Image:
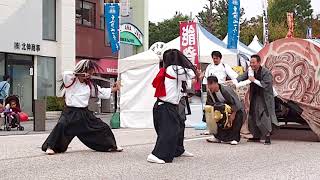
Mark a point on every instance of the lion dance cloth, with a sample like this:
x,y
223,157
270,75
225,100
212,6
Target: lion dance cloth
x,y
295,66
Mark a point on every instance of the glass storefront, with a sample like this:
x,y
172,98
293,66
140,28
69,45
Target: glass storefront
x,y
46,77
2,65
20,69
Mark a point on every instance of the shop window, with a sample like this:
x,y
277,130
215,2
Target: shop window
x,y
46,77
2,65
49,19
85,13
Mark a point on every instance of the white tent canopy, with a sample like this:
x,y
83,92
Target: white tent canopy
x,y
314,41
243,49
137,94
255,44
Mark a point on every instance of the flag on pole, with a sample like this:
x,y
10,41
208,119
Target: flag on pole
x,y
189,43
265,22
112,13
233,24
290,20
309,33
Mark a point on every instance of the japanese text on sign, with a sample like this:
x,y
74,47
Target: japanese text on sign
x,y
188,41
112,25
26,46
233,24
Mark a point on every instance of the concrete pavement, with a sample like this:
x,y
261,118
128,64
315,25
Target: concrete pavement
x,y
51,121
293,155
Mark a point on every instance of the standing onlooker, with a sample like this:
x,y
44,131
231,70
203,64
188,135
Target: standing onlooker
x,y
218,69
4,88
262,110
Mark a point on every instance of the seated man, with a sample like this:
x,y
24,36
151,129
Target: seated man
x,y
218,93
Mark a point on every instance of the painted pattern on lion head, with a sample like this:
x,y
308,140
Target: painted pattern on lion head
x,y
295,66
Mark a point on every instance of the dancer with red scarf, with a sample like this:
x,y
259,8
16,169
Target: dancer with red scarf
x,y
168,124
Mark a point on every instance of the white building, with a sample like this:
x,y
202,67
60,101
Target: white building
x,y
37,42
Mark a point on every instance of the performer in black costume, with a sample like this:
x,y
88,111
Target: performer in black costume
x,y
217,94
167,122
76,119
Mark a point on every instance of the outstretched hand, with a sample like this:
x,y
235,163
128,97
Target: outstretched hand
x,y
116,86
252,79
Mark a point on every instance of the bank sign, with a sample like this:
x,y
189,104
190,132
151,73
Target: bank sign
x,y
130,34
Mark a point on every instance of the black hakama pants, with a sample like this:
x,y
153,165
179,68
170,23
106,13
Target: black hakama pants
x,y
80,122
233,133
170,131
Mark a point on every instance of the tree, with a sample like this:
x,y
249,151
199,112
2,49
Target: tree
x,y
214,17
277,15
315,24
302,13
166,30
250,28
207,17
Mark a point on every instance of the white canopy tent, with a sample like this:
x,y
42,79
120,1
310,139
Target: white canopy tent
x,y
314,41
137,73
255,44
137,94
243,49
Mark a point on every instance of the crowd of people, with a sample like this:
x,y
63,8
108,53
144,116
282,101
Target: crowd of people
x,y
176,74
168,122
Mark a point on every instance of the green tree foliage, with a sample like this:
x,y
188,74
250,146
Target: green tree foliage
x,y
251,28
278,14
214,17
166,30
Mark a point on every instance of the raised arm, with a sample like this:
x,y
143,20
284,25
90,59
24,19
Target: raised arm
x,y
105,93
185,74
68,78
230,72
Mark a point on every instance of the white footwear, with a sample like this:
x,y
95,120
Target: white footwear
x,y
50,151
187,154
153,159
213,140
119,149
234,142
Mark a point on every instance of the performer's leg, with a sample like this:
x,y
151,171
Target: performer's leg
x,y
167,127
180,147
96,134
252,124
182,118
237,126
58,140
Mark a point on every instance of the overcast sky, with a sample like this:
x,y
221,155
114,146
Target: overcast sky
x,y
165,9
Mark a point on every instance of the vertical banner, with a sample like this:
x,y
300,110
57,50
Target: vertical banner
x,y
233,23
309,33
189,43
290,21
111,12
265,22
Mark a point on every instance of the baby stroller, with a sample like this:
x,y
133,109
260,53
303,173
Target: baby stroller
x,y
12,119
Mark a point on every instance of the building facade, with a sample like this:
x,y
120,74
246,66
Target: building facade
x,y
92,40
134,36
37,44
